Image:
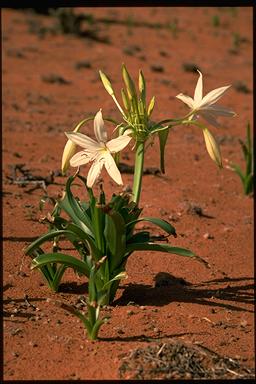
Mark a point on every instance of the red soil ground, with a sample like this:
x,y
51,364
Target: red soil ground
x,y
213,306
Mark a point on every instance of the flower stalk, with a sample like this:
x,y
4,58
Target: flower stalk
x,y
138,171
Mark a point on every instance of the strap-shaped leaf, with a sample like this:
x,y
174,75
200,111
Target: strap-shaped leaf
x,y
114,234
71,206
46,237
248,184
72,233
140,237
81,235
58,276
67,260
164,248
163,136
239,172
163,224
46,270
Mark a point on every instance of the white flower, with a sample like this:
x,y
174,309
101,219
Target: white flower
x,y
98,152
204,105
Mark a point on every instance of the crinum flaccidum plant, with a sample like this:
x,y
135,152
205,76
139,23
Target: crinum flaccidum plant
x,y
103,232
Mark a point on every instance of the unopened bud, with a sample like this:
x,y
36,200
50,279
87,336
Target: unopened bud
x,y
141,107
125,99
69,151
142,86
106,82
212,147
129,83
151,106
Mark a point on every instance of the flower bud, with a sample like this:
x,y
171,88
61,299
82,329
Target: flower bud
x,y
68,152
129,83
106,83
142,86
126,102
151,106
212,147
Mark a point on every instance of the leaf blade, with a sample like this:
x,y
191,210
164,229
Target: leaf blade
x,y
61,258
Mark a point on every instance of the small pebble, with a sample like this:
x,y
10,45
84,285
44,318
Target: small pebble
x,y
227,229
33,344
208,236
22,274
243,323
130,313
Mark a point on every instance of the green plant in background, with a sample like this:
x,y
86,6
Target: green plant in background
x,y
104,233
215,21
246,177
173,27
237,40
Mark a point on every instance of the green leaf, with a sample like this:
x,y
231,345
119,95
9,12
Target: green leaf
x,y
115,235
163,224
72,233
248,185
163,136
82,236
164,248
46,270
238,171
140,237
67,260
95,330
46,237
244,148
58,276
71,206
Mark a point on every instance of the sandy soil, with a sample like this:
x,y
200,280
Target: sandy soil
x,y
50,82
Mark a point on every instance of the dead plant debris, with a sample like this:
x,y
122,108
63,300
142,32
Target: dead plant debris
x,y
179,360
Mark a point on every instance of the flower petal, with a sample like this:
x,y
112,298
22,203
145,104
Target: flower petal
x,y
213,96
112,169
116,145
186,99
128,131
220,111
94,172
198,95
210,118
99,129
83,140
80,158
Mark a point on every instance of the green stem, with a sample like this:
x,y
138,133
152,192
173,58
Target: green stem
x,y
137,180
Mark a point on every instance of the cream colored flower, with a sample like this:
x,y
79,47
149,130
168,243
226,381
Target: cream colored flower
x,y
204,105
98,152
212,147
